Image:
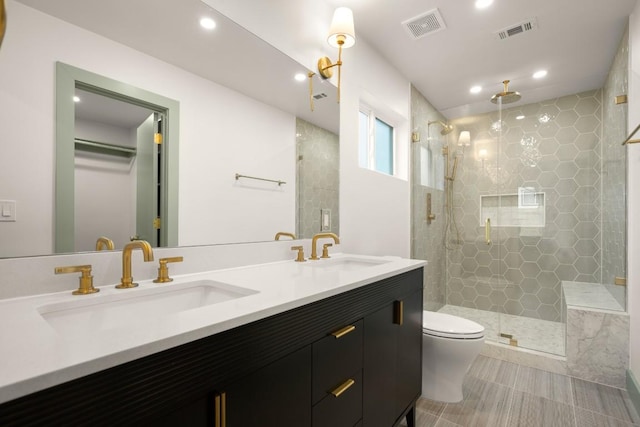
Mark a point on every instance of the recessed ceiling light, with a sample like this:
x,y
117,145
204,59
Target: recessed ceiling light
x,y
539,74
207,23
481,4
300,77
76,99
476,89
520,117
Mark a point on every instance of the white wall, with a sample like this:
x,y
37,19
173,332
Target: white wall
x,y
221,133
374,208
633,195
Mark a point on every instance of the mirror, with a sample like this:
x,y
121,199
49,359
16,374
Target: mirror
x,y
238,108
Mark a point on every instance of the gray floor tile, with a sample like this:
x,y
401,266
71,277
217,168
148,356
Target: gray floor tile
x,y
485,404
528,410
603,399
586,418
444,423
494,370
430,406
544,384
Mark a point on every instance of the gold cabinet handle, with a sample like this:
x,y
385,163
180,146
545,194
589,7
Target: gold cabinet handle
x,y
163,270
220,408
343,387
344,331
86,279
398,312
487,231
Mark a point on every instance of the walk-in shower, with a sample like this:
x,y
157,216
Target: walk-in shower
x,y
532,202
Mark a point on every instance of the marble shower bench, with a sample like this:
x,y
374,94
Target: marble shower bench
x,y
597,336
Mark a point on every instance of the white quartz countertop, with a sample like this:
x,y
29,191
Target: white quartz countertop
x,y
50,339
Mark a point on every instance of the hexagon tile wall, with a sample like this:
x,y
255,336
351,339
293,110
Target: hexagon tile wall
x,y
551,147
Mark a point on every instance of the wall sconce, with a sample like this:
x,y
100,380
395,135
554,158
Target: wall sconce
x,y
341,35
464,140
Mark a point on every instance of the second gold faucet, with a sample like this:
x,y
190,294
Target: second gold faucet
x,y
127,281
314,243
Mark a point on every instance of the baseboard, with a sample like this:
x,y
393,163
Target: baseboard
x,y
634,390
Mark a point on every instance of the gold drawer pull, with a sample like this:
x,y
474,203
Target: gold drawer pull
x,y
344,331
343,387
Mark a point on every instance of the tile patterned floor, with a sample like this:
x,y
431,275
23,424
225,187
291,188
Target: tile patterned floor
x,y
504,394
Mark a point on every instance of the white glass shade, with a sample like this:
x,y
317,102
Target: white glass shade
x,y
464,140
342,25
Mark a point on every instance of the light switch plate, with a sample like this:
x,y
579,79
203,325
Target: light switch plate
x,y
325,219
7,210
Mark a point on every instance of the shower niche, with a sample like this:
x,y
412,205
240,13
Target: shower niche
x,y
526,208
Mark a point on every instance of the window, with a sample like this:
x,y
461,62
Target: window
x,y
377,144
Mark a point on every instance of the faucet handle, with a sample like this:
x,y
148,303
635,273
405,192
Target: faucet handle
x,y
86,279
163,271
300,249
325,250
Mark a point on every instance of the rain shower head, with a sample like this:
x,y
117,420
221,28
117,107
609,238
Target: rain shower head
x,y
505,96
446,129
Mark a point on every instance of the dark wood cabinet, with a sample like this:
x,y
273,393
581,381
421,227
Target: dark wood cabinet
x,y
279,394
392,361
284,370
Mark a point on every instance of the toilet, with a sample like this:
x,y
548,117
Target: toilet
x,y
450,344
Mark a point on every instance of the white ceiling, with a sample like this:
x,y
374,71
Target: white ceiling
x,y
575,41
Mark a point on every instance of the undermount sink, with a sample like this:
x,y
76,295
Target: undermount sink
x,y
344,264
103,312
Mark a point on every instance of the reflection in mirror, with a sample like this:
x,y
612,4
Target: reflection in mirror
x,y
116,162
108,134
234,119
318,158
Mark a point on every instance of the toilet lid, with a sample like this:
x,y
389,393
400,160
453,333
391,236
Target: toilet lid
x,y
448,326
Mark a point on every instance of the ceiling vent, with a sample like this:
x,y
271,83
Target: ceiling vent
x,y
519,28
320,95
425,24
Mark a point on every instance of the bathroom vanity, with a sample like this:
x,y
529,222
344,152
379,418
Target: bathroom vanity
x,y
346,353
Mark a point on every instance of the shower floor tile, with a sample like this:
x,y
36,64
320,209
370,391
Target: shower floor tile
x,y
533,334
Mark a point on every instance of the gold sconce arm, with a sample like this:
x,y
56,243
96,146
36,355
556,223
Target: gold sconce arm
x,y
325,66
86,279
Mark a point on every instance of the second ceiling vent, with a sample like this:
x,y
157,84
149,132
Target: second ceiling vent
x,y
515,29
422,25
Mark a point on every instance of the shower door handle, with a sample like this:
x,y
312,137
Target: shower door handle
x,y
487,231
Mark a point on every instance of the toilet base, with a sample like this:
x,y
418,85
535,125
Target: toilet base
x,y
445,362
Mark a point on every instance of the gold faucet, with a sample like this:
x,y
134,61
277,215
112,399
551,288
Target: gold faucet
x,y
314,249
104,243
285,234
86,280
163,270
127,280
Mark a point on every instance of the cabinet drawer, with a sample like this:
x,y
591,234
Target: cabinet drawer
x,y
335,357
344,410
